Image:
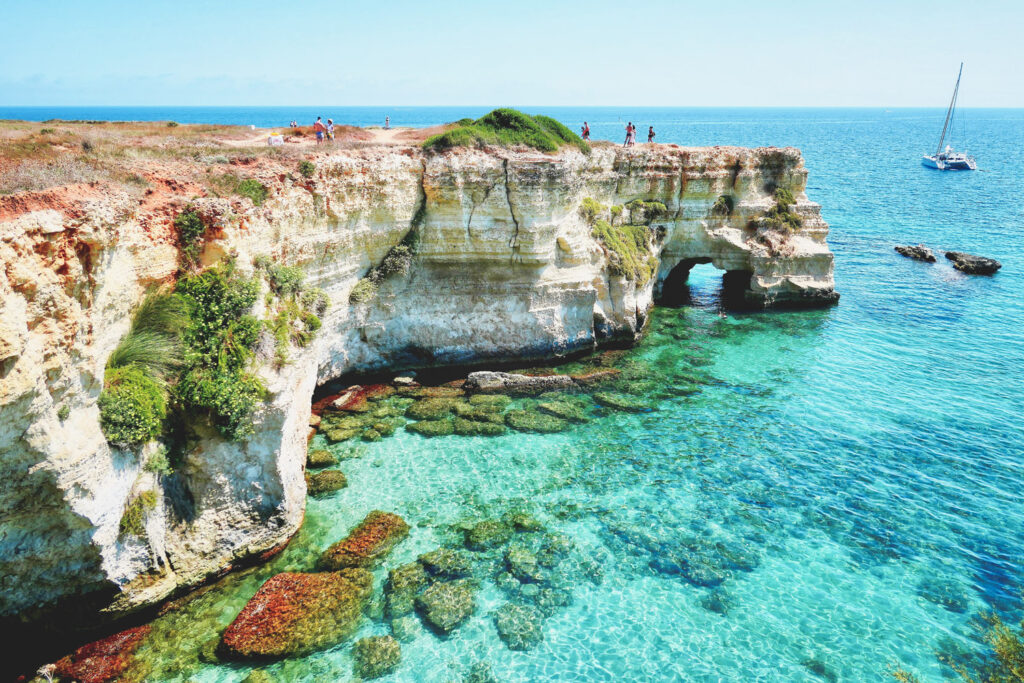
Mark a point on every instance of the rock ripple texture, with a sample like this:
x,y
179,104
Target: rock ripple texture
x,y
505,267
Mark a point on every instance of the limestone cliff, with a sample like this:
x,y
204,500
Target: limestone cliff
x,y
505,266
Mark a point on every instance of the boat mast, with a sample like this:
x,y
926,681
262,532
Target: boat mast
x,y
949,112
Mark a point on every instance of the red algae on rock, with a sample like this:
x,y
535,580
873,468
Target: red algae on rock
x,y
102,660
294,614
369,542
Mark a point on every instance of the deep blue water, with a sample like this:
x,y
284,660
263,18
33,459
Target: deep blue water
x,y
849,479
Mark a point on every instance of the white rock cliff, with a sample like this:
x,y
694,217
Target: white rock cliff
x,y
505,267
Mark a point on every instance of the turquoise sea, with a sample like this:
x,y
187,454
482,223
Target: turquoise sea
x,y
841,494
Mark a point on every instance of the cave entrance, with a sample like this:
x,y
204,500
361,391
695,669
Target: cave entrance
x,y
695,282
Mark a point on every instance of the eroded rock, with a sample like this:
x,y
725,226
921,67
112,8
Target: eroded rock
x,y
918,253
103,660
520,626
973,265
487,382
448,604
376,656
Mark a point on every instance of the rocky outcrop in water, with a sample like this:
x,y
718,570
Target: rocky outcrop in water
x,y
973,265
918,253
425,258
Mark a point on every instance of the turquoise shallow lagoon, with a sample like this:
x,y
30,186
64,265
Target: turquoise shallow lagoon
x,y
842,493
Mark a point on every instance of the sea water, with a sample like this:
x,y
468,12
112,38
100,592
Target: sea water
x,y
850,478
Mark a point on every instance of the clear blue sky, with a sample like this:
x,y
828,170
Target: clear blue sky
x,y
438,52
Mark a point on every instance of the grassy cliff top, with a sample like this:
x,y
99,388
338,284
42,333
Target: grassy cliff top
x,y
508,127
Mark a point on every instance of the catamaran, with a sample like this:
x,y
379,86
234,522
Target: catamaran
x,y
949,159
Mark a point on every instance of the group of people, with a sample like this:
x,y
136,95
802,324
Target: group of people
x,y
630,134
323,130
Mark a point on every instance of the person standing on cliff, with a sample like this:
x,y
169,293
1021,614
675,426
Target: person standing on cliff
x,y
650,135
586,131
629,134
330,130
387,123
319,129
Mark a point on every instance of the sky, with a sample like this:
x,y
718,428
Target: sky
x,y
888,53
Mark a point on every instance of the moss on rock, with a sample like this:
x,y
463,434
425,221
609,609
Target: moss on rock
x,y
368,543
464,427
375,656
320,458
432,427
432,408
622,402
534,421
488,534
326,481
448,604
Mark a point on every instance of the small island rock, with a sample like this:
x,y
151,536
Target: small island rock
x,y
973,265
918,253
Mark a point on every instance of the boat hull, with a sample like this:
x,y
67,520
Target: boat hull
x,y
949,164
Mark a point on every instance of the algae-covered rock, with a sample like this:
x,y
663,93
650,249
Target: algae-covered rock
x,y
368,543
432,427
622,402
208,651
488,534
321,458
573,412
432,408
519,626
480,673
446,563
371,435
339,435
375,656
550,600
326,481
523,521
479,413
464,427
294,614
492,402
404,584
102,660
522,564
259,676
534,421
446,605
406,628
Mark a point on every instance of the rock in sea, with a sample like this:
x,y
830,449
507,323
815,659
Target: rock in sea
x,y
293,614
508,383
326,481
446,605
973,265
918,253
519,626
368,543
103,660
376,656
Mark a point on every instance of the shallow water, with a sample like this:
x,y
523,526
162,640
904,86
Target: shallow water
x,y
841,494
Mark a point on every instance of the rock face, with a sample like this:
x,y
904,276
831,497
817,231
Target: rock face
x,y
918,253
294,614
505,267
508,383
973,265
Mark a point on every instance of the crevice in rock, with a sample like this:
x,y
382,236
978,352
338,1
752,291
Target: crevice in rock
x,y
514,241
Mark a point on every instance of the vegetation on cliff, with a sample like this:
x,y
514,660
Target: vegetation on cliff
x,y
508,127
396,262
628,246
293,311
780,217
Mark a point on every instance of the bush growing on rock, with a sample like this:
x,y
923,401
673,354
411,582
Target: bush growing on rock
x,y
132,406
253,189
363,291
628,248
190,227
133,521
508,127
780,217
723,206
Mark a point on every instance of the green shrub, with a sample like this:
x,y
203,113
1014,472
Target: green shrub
x,y
643,212
191,228
63,412
723,206
591,210
307,168
285,280
616,212
780,218
227,396
784,197
508,127
364,291
157,463
629,250
172,124
132,406
133,521
315,300
253,189
47,131
397,261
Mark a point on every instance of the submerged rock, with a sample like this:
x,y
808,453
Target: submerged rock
x,y
432,427
404,584
519,626
375,656
973,265
320,458
522,564
523,521
918,253
493,402
534,421
368,543
446,563
102,660
406,628
488,534
293,614
446,605
432,408
507,383
571,411
465,427
623,402
327,481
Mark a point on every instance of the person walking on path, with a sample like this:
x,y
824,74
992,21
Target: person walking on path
x,y
330,130
650,135
629,134
319,128
586,131
387,123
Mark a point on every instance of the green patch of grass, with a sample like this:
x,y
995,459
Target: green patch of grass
x,y
591,210
629,250
132,405
253,189
780,217
508,127
723,206
133,521
643,212
191,228
230,184
307,168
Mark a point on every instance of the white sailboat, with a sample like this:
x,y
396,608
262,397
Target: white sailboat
x,y
949,159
